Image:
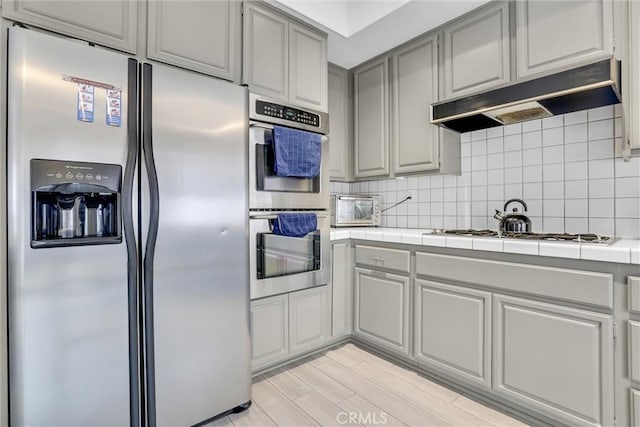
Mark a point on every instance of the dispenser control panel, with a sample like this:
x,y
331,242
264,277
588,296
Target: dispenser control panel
x,y
55,172
287,113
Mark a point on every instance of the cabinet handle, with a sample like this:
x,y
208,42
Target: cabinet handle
x,y
376,259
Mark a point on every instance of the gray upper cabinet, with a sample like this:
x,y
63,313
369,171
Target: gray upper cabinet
x,y
477,52
453,331
266,51
371,119
553,34
415,88
283,59
111,23
381,313
555,360
307,67
197,35
340,130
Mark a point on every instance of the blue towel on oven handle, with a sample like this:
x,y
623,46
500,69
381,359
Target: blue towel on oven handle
x,y
295,225
296,152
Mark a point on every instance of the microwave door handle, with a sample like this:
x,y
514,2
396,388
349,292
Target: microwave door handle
x,y
276,217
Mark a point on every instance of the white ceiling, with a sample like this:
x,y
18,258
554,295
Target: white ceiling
x,y
361,29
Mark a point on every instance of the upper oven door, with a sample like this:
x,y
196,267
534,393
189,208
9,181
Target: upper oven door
x,y
280,264
270,191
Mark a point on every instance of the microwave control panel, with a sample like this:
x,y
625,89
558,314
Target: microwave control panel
x,y
287,113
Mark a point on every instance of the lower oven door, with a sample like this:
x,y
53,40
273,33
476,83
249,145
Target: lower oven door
x,y
280,264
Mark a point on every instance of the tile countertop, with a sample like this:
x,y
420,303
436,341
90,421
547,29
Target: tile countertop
x,y
623,251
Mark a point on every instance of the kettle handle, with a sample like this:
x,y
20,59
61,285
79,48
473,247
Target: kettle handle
x,y
524,205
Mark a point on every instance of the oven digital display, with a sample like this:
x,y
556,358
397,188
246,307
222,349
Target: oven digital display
x,y
287,113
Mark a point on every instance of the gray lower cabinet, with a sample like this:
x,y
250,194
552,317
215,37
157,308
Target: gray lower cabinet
x,y
282,58
371,119
554,34
634,351
635,407
415,87
197,35
453,331
269,330
553,359
265,51
339,127
381,309
634,294
111,23
309,318
341,290
477,52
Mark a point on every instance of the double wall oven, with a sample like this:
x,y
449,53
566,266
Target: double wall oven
x,y
278,263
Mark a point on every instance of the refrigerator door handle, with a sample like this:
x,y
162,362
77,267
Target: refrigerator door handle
x,y
130,239
154,209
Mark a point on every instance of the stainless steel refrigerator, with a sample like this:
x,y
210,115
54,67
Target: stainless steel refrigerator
x,y
128,239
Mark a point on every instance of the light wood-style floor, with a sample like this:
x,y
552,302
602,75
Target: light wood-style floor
x,y
350,386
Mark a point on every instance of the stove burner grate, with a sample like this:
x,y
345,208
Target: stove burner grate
x,y
566,237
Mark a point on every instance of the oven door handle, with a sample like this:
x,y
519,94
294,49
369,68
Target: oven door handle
x,y
259,216
270,127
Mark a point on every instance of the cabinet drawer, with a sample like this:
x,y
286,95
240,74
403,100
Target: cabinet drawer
x,y
634,351
391,259
571,285
634,293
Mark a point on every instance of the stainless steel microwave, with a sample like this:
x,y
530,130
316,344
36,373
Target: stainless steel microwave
x,y
352,210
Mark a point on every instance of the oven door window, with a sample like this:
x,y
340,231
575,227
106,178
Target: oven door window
x,y
282,255
354,210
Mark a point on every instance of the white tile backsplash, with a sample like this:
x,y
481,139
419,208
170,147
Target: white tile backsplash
x,y
562,166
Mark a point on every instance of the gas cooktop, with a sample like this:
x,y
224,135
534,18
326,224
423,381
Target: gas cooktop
x,y
558,237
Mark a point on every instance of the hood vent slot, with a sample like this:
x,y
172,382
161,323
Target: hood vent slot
x,y
588,86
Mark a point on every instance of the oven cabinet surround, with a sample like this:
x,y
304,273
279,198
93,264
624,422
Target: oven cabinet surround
x,y
476,52
453,330
341,289
340,102
283,58
109,23
391,109
197,35
289,324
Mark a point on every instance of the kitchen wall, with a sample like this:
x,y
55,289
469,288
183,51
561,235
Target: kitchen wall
x,y
564,167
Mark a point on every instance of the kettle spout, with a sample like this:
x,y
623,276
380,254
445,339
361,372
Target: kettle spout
x,y
498,215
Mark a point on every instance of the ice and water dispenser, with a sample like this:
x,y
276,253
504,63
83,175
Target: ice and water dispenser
x,y
75,203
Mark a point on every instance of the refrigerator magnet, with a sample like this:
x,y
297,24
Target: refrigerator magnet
x,y
85,103
114,108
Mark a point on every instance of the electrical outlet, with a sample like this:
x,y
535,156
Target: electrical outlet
x,y
412,194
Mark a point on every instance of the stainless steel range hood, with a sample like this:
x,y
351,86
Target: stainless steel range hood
x,y
587,86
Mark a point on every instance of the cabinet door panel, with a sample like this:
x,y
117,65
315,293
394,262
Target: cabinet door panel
x,y
634,351
342,290
339,137
197,35
560,33
476,52
308,318
635,407
415,88
269,330
110,23
554,359
307,68
453,330
382,309
266,52
371,120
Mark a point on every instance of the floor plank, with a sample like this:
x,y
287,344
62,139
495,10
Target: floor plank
x,y
278,407
254,416
392,404
376,416
321,383
486,413
419,398
289,384
409,376
326,413
343,357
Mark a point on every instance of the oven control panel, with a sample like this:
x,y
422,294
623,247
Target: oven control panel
x,y
287,113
